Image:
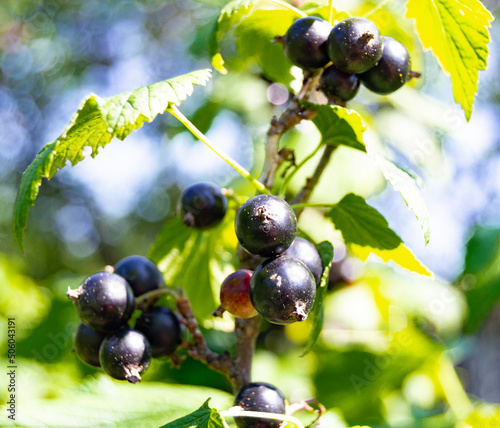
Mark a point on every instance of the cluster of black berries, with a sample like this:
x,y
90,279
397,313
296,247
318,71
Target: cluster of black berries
x,y
283,287
105,302
357,51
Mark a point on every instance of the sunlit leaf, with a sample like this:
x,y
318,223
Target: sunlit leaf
x,y
112,403
401,255
95,124
197,261
481,278
484,415
406,185
338,125
363,225
204,417
254,42
366,231
456,32
254,24
325,250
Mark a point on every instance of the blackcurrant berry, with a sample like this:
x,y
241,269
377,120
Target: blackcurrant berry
x,y
306,42
265,225
162,329
235,294
307,253
87,343
336,84
141,274
202,206
104,301
282,290
355,45
259,397
392,70
125,355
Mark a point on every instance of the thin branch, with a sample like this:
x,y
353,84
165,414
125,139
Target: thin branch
x,y
246,332
377,8
174,111
288,179
150,297
306,405
291,117
199,348
290,7
240,412
306,192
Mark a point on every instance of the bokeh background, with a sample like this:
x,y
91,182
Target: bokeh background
x,y
54,53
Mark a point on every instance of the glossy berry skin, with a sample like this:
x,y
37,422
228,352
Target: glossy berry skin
x,y
265,225
282,290
202,206
141,274
104,302
162,329
355,45
260,397
307,253
306,42
235,294
125,354
392,70
338,85
87,343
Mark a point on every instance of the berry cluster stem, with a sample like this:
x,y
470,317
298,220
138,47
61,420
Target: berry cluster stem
x,y
198,349
291,117
238,368
305,194
246,331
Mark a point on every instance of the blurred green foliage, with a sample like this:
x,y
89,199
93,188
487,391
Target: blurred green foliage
x,y
383,357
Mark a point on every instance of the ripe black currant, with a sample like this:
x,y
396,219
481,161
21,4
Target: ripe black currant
x,y
162,329
282,290
202,206
391,71
355,45
87,343
306,42
125,354
235,294
141,274
265,225
336,84
259,397
104,301
307,253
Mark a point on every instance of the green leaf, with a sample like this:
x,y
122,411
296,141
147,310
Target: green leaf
x,y
456,33
255,24
254,41
406,184
401,255
204,417
198,261
484,415
229,16
338,125
363,225
104,403
481,278
326,251
366,232
94,125
341,126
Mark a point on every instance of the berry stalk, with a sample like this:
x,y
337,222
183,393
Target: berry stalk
x,y
174,111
